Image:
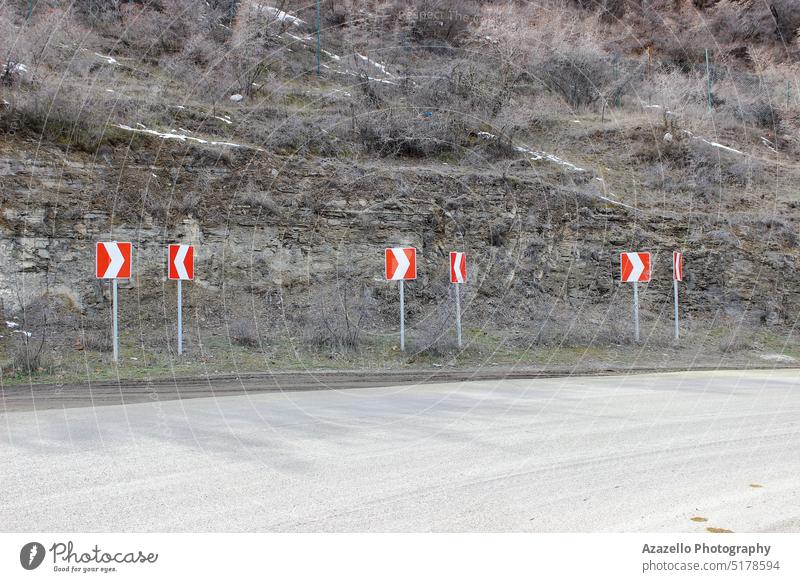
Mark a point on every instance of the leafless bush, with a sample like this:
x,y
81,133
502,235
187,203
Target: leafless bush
x,y
761,113
735,340
434,336
437,23
244,332
339,314
261,202
580,79
97,340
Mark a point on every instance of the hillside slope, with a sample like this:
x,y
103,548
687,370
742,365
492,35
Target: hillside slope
x,y
541,139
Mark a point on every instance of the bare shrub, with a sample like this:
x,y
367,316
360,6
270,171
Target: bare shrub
x,y
434,336
339,314
578,78
244,332
735,340
761,113
97,340
437,23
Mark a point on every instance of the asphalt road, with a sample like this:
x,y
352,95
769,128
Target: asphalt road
x,y
631,453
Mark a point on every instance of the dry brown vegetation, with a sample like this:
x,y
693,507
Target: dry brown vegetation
x,y
619,86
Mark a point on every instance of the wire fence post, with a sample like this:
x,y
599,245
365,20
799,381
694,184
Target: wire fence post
x,y
319,47
708,81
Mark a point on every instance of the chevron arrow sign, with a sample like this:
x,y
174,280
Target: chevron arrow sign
x,y
181,262
458,267
113,260
401,264
635,267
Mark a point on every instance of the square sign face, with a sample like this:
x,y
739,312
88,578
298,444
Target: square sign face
x,y
181,262
635,267
112,260
401,264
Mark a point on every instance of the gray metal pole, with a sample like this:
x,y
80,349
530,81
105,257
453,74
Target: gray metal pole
x,y
636,310
402,319
115,322
180,317
458,314
708,82
319,41
677,327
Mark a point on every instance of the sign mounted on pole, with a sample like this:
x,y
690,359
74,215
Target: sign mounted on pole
x,y
677,266
181,262
181,268
401,265
458,275
458,267
112,260
635,268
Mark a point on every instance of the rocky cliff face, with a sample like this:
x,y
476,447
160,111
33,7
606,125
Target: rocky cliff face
x,y
265,225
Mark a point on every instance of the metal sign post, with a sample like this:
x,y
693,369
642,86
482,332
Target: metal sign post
x,y
402,319
180,317
677,326
115,319
181,266
458,314
636,310
113,261
401,265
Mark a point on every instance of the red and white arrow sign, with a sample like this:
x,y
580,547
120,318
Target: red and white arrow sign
x,y
181,262
677,266
401,264
113,260
635,267
458,267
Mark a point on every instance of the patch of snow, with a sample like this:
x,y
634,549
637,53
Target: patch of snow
x,y
331,55
11,324
281,15
486,134
23,332
228,121
536,156
616,202
108,59
768,143
778,358
713,143
181,137
236,98
377,65
180,107
722,147
306,38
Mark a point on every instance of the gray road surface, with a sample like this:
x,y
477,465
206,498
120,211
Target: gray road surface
x,y
631,453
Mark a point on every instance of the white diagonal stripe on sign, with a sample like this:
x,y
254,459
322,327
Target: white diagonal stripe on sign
x,y
180,258
457,267
638,266
402,264
117,260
